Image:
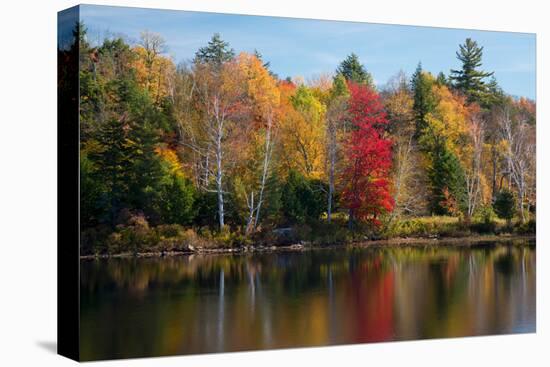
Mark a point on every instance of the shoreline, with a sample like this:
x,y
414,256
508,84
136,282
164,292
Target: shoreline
x,y
391,242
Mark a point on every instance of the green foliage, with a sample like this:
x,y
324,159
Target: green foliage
x,y
469,79
302,199
304,101
424,100
434,226
529,227
339,87
91,190
271,210
206,206
216,52
484,220
505,205
139,177
445,172
442,79
177,199
352,70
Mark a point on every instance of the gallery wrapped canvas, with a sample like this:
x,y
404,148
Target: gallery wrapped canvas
x,y
234,182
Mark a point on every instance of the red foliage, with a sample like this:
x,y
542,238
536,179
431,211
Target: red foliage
x,y
368,158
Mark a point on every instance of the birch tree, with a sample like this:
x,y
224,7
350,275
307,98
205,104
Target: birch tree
x,y
221,94
264,98
473,169
336,117
519,154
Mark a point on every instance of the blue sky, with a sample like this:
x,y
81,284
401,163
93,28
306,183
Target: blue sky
x,y
303,47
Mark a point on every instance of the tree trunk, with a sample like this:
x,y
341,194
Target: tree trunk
x,y
267,157
219,173
332,162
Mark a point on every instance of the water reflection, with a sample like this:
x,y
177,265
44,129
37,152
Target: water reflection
x,y
213,303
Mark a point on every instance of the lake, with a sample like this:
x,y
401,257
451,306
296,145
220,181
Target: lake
x,y
140,307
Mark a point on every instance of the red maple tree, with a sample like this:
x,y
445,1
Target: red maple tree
x,y
366,191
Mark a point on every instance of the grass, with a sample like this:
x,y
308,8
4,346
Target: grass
x,y
137,236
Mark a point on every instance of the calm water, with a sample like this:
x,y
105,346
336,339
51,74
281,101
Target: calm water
x,y
215,303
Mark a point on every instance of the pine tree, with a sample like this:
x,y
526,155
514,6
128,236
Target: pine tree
x,y
470,80
424,100
505,205
442,79
216,52
339,87
354,71
446,176
116,152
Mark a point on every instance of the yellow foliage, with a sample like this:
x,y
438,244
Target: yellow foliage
x,y
450,119
302,145
262,88
171,158
154,78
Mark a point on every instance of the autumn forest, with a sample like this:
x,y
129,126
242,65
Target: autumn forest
x,y
221,152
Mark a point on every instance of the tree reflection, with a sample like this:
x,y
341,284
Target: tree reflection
x,y
194,304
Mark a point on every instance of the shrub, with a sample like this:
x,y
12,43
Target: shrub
x,y
94,240
530,227
444,226
484,220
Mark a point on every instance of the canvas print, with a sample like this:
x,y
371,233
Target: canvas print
x,y
251,183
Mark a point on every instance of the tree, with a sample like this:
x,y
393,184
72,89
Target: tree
x,y
442,79
91,189
114,153
424,99
220,93
152,46
443,142
446,178
366,178
473,161
264,97
302,131
505,205
336,118
353,71
216,52
469,80
408,177
518,142
302,199
155,73
176,193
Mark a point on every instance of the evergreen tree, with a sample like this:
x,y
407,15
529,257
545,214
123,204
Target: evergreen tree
x,y
505,205
339,87
354,71
114,154
91,189
496,95
424,100
302,199
446,176
442,79
216,52
470,80
146,172
177,199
